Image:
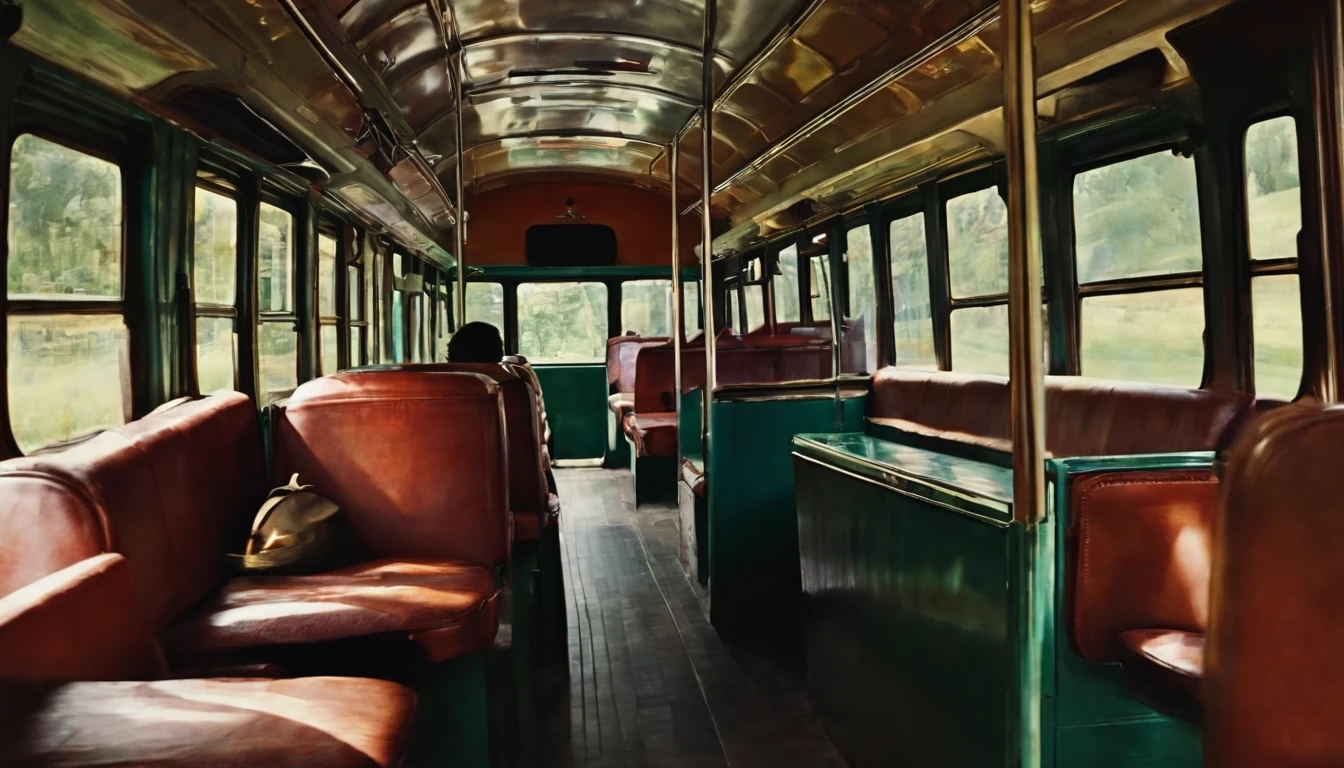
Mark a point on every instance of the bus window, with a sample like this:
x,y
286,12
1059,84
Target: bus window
x,y
977,263
690,307
646,307
358,323
734,319
277,341
821,288
1154,337
755,301
398,306
862,318
562,322
68,374
328,319
215,283
1274,218
785,287
1135,219
910,294
485,304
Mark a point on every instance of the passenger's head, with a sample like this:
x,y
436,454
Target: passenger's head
x,y
476,343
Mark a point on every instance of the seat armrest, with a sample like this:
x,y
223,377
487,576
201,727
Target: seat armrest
x,y
82,622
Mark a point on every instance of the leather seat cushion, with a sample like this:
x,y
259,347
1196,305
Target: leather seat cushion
x,y
654,434
324,722
1166,666
450,609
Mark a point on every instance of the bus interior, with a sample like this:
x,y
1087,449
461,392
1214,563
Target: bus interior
x,y
862,383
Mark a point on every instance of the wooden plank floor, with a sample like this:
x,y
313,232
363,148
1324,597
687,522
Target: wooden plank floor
x,y
649,682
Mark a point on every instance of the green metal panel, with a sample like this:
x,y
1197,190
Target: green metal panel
x,y
1098,722
899,569
576,407
908,605
754,590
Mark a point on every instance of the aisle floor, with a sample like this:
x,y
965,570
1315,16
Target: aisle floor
x,y
650,683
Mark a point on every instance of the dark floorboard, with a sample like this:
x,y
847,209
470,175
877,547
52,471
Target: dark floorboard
x,y
650,683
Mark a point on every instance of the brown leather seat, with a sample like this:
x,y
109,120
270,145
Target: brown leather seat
x,y
622,352
654,434
1275,674
527,466
78,666
1166,668
172,490
1084,417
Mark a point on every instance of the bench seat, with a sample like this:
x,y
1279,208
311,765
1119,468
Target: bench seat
x,y
447,609
81,685
322,722
654,434
1166,666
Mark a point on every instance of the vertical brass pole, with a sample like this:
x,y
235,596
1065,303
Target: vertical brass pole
x,y
678,336
706,225
1027,383
460,219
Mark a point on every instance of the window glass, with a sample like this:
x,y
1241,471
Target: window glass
x,y
910,294
398,321
65,211
977,244
1276,318
562,322
646,307
821,287
755,297
62,370
734,319
215,256
485,303
1273,189
1155,337
862,319
331,340
352,283
275,257
690,307
980,340
786,287
1138,217
215,358
326,276
278,353
357,345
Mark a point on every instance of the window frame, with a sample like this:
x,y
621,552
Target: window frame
x,y
1257,268
358,294
330,228
118,150
1122,286
219,185
273,197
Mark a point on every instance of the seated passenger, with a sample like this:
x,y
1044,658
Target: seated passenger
x,y
476,343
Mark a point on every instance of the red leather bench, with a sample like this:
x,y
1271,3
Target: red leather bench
x,y
534,507
171,491
652,426
81,684
621,354
1138,542
1275,679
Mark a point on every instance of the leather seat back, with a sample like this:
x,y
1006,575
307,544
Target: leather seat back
x,y
621,354
166,491
82,622
1084,417
417,461
527,472
1274,674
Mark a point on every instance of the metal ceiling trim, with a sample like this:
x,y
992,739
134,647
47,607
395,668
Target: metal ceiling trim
x,y
964,31
661,41
581,82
